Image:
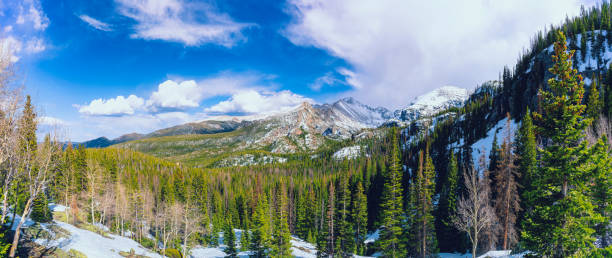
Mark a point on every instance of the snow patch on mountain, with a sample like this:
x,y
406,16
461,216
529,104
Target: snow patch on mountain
x,y
355,110
350,152
483,146
433,102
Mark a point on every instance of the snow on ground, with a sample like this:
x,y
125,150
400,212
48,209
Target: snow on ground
x,y
484,145
28,222
350,152
371,238
492,254
57,207
302,249
95,245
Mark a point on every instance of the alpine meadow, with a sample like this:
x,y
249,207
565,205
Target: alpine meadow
x,y
305,128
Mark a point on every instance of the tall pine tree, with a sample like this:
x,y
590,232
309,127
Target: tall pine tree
x,y
359,216
391,207
423,187
560,223
281,237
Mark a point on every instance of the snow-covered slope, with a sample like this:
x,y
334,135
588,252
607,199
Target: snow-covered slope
x,y
483,146
355,110
350,152
432,103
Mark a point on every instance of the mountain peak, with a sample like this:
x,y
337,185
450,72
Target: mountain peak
x,y
432,102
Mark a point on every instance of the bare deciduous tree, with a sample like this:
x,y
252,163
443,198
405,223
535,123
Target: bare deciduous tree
x,y
474,211
37,176
93,175
191,225
10,103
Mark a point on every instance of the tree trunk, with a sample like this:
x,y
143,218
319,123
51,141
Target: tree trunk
x,y
475,244
4,205
25,213
93,221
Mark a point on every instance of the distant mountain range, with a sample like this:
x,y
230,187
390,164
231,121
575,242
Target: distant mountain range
x,y
306,127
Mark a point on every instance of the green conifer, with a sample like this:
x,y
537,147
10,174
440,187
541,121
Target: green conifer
x,y
392,205
560,223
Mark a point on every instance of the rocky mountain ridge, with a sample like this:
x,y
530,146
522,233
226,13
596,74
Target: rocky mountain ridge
x,y
308,126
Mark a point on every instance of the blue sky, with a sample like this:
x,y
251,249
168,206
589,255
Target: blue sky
x,y
106,68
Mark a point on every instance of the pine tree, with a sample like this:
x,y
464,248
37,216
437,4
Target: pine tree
x,y
449,237
526,158
281,237
601,189
345,242
40,209
424,221
245,239
594,105
507,202
328,236
302,227
561,221
359,215
260,237
27,135
229,239
391,206
494,154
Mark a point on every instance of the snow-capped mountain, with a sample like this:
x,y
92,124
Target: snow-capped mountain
x,y
364,114
306,127
433,102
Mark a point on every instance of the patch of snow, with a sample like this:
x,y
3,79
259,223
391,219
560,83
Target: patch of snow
x,y
350,152
454,255
57,207
95,245
484,145
303,249
492,254
371,238
28,222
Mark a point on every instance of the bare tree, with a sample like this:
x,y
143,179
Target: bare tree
x,y
36,177
10,104
507,203
191,225
474,211
171,223
93,175
107,201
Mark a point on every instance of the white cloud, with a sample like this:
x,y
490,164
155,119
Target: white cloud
x,y
34,14
173,94
34,46
8,28
51,121
113,107
97,24
253,102
170,94
401,49
191,24
326,80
